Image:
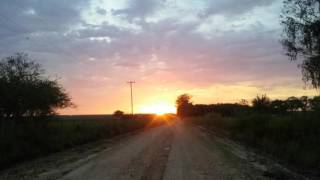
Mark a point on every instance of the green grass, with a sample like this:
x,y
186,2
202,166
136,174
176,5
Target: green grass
x,y
293,138
25,140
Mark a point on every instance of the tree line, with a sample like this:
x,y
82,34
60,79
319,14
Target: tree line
x,y
291,104
262,103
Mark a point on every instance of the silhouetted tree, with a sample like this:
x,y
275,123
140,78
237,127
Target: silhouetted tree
x,y
261,103
294,104
25,91
315,103
301,37
183,99
279,106
305,103
118,114
184,105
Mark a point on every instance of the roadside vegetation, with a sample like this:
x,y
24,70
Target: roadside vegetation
x,y
29,124
31,138
286,129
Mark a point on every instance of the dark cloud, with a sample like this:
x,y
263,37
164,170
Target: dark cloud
x,y
39,26
30,16
139,9
252,54
232,7
101,11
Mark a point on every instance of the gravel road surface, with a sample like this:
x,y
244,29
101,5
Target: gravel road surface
x,y
176,151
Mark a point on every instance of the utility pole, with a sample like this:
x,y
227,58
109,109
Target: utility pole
x,y
130,83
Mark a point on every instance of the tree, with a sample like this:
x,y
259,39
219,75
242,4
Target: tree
x,y
315,104
301,38
294,104
261,103
118,113
25,91
183,100
184,105
305,103
279,106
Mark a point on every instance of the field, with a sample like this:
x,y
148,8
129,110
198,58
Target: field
x,y
27,139
293,139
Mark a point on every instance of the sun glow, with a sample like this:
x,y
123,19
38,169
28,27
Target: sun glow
x,y
159,108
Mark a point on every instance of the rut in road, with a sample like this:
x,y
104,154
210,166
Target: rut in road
x,y
174,151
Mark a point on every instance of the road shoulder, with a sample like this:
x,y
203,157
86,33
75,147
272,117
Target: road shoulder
x,y
58,164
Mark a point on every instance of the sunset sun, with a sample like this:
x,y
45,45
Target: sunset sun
x,y
159,108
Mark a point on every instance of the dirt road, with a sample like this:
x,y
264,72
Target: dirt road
x,y
176,151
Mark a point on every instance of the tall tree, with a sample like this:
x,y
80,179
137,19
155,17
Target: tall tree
x,y
184,105
301,38
25,91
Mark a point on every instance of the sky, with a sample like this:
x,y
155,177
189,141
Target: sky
x,y
215,50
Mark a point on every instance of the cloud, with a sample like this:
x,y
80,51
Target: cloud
x,y
170,50
31,16
139,9
101,11
177,44
232,7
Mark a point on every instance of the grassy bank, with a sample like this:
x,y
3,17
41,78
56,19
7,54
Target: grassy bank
x,y
292,138
25,140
